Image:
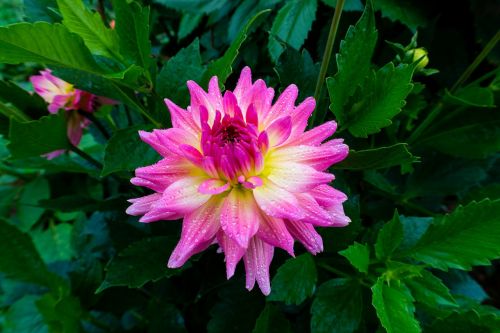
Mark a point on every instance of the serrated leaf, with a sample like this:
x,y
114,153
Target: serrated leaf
x,y
23,262
291,26
132,28
337,307
298,68
381,97
28,207
389,238
377,158
464,238
472,96
141,262
430,290
358,255
54,244
404,11
222,67
125,151
394,307
475,134
185,65
353,62
38,137
98,38
413,229
271,320
295,280
55,46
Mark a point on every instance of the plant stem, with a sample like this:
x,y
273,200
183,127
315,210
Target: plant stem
x,y
85,156
328,52
333,270
484,53
427,121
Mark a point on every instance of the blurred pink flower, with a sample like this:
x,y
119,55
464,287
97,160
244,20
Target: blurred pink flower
x,y
243,173
61,95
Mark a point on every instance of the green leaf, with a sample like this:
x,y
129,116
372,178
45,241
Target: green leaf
x,y
132,27
54,45
40,10
379,181
430,290
203,6
338,307
295,280
54,244
62,314
350,5
99,39
466,237
381,98
463,322
30,104
296,67
475,134
389,238
23,316
377,158
140,263
358,255
185,65
271,320
188,23
413,229
125,151
472,96
353,62
28,208
404,11
222,67
23,262
38,137
394,307
291,26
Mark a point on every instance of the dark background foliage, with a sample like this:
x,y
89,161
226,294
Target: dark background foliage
x,y
421,253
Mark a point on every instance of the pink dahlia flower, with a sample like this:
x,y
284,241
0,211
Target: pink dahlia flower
x,y
243,173
61,95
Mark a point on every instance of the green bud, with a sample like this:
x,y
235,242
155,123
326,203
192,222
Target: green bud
x,y
416,54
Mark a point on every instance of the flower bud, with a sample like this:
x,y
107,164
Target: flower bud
x,y
416,54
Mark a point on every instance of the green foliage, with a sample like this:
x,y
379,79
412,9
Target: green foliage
x,y
389,238
358,255
378,158
271,320
295,280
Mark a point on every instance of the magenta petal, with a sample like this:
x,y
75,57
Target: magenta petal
x,y
240,216
296,177
279,131
305,233
274,232
213,186
160,175
181,118
283,106
244,82
300,115
316,136
183,196
232,251
198,231
314,213
257,260
142,205
276,201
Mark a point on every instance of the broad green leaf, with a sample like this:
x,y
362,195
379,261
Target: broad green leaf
x,y
23,316
295,280
405,11
63,163
132,27
394,307
140,263
389,237
41,10
62,314
358,255
338,307
55,46
379,181
236,311
430,290
188,23
377,158
271,320
475,134
23,262
466,237
82,203
353,62
125,151
28,208
473,96
298,68
413,229
380,99
350,5
99,39
291,26
222,67
38,137
28,104
185,65
54,244
244,10
464,322
203,6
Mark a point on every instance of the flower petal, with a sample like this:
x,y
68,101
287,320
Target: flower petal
x,y
213,186
167,142
183,196
283,106
305,233
142,205
296,177
257,260
315,136
181,118
198,231
160,175
279,131
232,251
274,232
240,216
276,201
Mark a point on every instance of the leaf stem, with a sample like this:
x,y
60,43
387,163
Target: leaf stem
x,y
328,51
85,156
484,53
